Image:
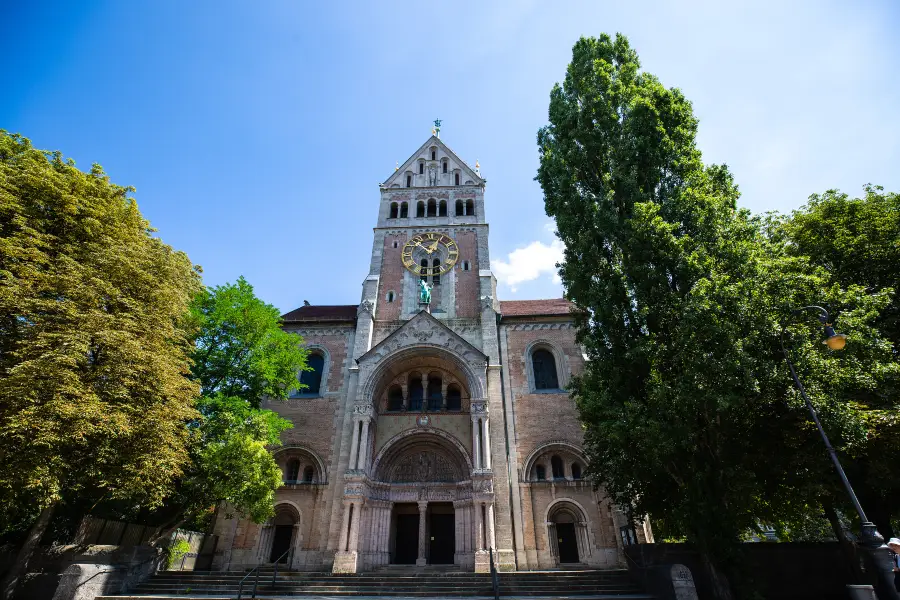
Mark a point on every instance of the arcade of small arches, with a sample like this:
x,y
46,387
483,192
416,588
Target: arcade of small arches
x,y
299,466
555,461
425,390
431,208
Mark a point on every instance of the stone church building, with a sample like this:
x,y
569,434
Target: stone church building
x,y
430,433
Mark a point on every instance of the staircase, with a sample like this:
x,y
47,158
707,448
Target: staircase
x,y
581,584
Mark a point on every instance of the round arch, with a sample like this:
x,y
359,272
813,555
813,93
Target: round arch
x,y
406,440
561,505
394,362
322,475
559,358
547,447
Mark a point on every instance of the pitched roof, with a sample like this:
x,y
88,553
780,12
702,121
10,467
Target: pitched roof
x,y
534,308
340,312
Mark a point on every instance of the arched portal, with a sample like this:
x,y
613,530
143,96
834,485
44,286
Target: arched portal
x,y
567,532
280,535
425,472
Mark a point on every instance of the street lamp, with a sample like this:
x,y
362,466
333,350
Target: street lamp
x,y
869,538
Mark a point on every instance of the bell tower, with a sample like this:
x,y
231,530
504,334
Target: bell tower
x,y
431,229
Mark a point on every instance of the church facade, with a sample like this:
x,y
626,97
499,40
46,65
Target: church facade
x,y
433,429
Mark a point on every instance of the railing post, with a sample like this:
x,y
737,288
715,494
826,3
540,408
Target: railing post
x,y
255,582
494,579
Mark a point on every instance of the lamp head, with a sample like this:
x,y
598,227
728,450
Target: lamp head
x,y
834,341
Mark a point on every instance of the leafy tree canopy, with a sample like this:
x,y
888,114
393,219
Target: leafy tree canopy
x,y
689,410
94,344
241,356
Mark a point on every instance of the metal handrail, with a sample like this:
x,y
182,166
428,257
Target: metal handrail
x,y
275,573
494,579
255,581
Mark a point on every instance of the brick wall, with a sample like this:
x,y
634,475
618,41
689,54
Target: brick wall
x,y
391,278
467,284
541,417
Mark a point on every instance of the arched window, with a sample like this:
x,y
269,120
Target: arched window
x,y
576,471
460,208
556,465
434,392
420,209
423,274
394,211
445,166
540,473
470,208
293,470
465,265
454,397
312,379
395,398
436,271
404,210
409,181
456,178
308,473
421,168
432,207
390,296
442,208
544,367
433,154
416,393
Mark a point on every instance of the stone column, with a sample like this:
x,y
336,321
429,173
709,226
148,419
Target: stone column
x,y
486,444
345,526
424,391
354,445
584,541
444,385
554,542
489,510
363,464
479,527
421,560
476,454
354,526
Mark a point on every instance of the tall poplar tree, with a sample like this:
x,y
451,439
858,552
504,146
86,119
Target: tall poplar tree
x,y
689,411
94,343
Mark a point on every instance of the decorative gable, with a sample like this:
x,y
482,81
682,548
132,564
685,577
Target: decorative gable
x,y
433,165
425,330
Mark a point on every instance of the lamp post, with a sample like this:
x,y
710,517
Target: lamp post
x,y
869,539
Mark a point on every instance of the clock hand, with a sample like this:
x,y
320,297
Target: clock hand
x,y
433,248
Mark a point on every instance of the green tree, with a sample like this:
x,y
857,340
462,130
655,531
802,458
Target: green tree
x,y
857,242
689,411
241,356
94,343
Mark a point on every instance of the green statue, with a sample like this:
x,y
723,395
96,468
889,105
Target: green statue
x,y
424,292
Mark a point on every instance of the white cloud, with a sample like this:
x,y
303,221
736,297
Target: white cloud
x,y
529,263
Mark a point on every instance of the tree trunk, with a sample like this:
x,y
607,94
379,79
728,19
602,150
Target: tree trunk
x,y
847,547
20,567
721,588
167,530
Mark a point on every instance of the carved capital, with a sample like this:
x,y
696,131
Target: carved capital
x,y
478,407
363,409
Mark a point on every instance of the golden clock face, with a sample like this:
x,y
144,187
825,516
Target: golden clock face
x,y
430,247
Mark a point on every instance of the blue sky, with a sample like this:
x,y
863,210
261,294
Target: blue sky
x,y
256,133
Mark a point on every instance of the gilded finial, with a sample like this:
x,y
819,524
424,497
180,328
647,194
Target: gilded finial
x,y
477,166
397,165
437,128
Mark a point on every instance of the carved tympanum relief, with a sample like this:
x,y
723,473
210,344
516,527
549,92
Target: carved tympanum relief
x,y
423,466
